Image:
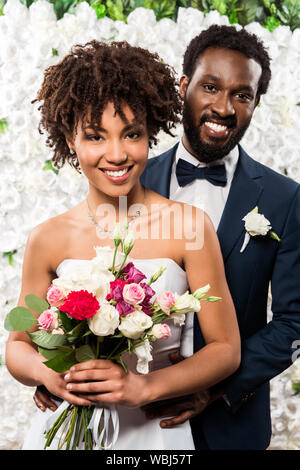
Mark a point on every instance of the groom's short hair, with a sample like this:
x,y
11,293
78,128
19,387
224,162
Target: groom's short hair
x,y
228,37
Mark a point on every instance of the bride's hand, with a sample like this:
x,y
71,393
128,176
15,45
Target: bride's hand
x,y
56,385
103,381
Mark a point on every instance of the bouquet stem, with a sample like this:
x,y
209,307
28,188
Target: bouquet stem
x,y
75,421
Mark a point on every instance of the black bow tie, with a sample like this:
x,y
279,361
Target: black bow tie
x,y
186,173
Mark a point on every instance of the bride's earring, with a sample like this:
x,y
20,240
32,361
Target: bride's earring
x,y
75,162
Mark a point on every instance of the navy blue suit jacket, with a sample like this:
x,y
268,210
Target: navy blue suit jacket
x,y
267,348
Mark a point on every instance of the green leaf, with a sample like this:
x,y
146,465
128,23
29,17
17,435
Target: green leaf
x,y
3,125
296,386
7,324
66,321
64,6
78,330
54,53
48,353
20,319
85,353
219,5
248,11
115,10
37,304
48,166
99,8
9,255
271,23
62,362
46,339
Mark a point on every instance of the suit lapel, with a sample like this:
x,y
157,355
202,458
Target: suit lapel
x,y
243,196
157,174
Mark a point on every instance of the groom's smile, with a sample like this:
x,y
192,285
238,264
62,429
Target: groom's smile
x,y
219,100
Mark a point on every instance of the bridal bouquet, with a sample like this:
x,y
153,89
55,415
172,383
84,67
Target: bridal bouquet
x,y
102,310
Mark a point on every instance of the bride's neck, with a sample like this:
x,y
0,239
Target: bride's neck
x,y
96,198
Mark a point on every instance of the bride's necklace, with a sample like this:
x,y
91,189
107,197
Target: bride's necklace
x,y
110,232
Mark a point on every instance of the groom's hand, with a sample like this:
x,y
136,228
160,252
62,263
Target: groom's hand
x,y
44,399
181,408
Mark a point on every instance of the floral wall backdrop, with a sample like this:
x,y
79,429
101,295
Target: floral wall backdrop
x,y
31,190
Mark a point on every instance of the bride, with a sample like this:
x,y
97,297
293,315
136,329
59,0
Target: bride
x,y
102,107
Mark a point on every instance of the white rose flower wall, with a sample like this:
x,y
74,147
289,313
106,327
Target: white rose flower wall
x,y
30,191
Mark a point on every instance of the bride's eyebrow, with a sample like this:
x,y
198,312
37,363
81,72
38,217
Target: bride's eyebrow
x,y
134,125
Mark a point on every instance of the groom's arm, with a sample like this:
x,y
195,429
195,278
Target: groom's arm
x,y
270,351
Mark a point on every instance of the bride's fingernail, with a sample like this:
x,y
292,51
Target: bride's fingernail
x,y
67,376
69,386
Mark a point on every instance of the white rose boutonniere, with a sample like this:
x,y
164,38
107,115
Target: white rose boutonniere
x,y
257,224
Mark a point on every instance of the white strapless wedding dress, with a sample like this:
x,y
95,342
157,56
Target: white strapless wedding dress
x,y
136,432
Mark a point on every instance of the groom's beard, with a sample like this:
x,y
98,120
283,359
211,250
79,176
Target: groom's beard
x,y
204,152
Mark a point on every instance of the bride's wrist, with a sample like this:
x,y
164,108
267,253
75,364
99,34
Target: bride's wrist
x,y
40,371
149,392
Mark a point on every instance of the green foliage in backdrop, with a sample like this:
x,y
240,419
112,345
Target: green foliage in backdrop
x,y
269,13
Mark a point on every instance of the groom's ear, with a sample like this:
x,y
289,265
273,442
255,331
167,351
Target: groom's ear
x,y
183,84
257,100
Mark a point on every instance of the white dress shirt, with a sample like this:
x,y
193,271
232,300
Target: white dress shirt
x,y
201,193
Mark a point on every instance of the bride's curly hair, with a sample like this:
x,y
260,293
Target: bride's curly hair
x,y
81,85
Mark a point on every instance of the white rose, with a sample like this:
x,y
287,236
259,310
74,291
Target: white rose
x,y
141,16
104,258
105,321
214,17
190,18
42,11
105,28
89,278
186,303
134,324
143,353
256,224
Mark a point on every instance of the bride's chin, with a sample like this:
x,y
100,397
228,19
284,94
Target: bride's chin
x,y
115,192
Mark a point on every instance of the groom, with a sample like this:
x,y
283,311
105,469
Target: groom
x,y
225,73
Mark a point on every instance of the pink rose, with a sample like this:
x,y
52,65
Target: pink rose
x,y
161,331
54,296
166,300
133,294
48,320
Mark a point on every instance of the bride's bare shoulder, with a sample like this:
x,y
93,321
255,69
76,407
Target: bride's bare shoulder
x,y
51,237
